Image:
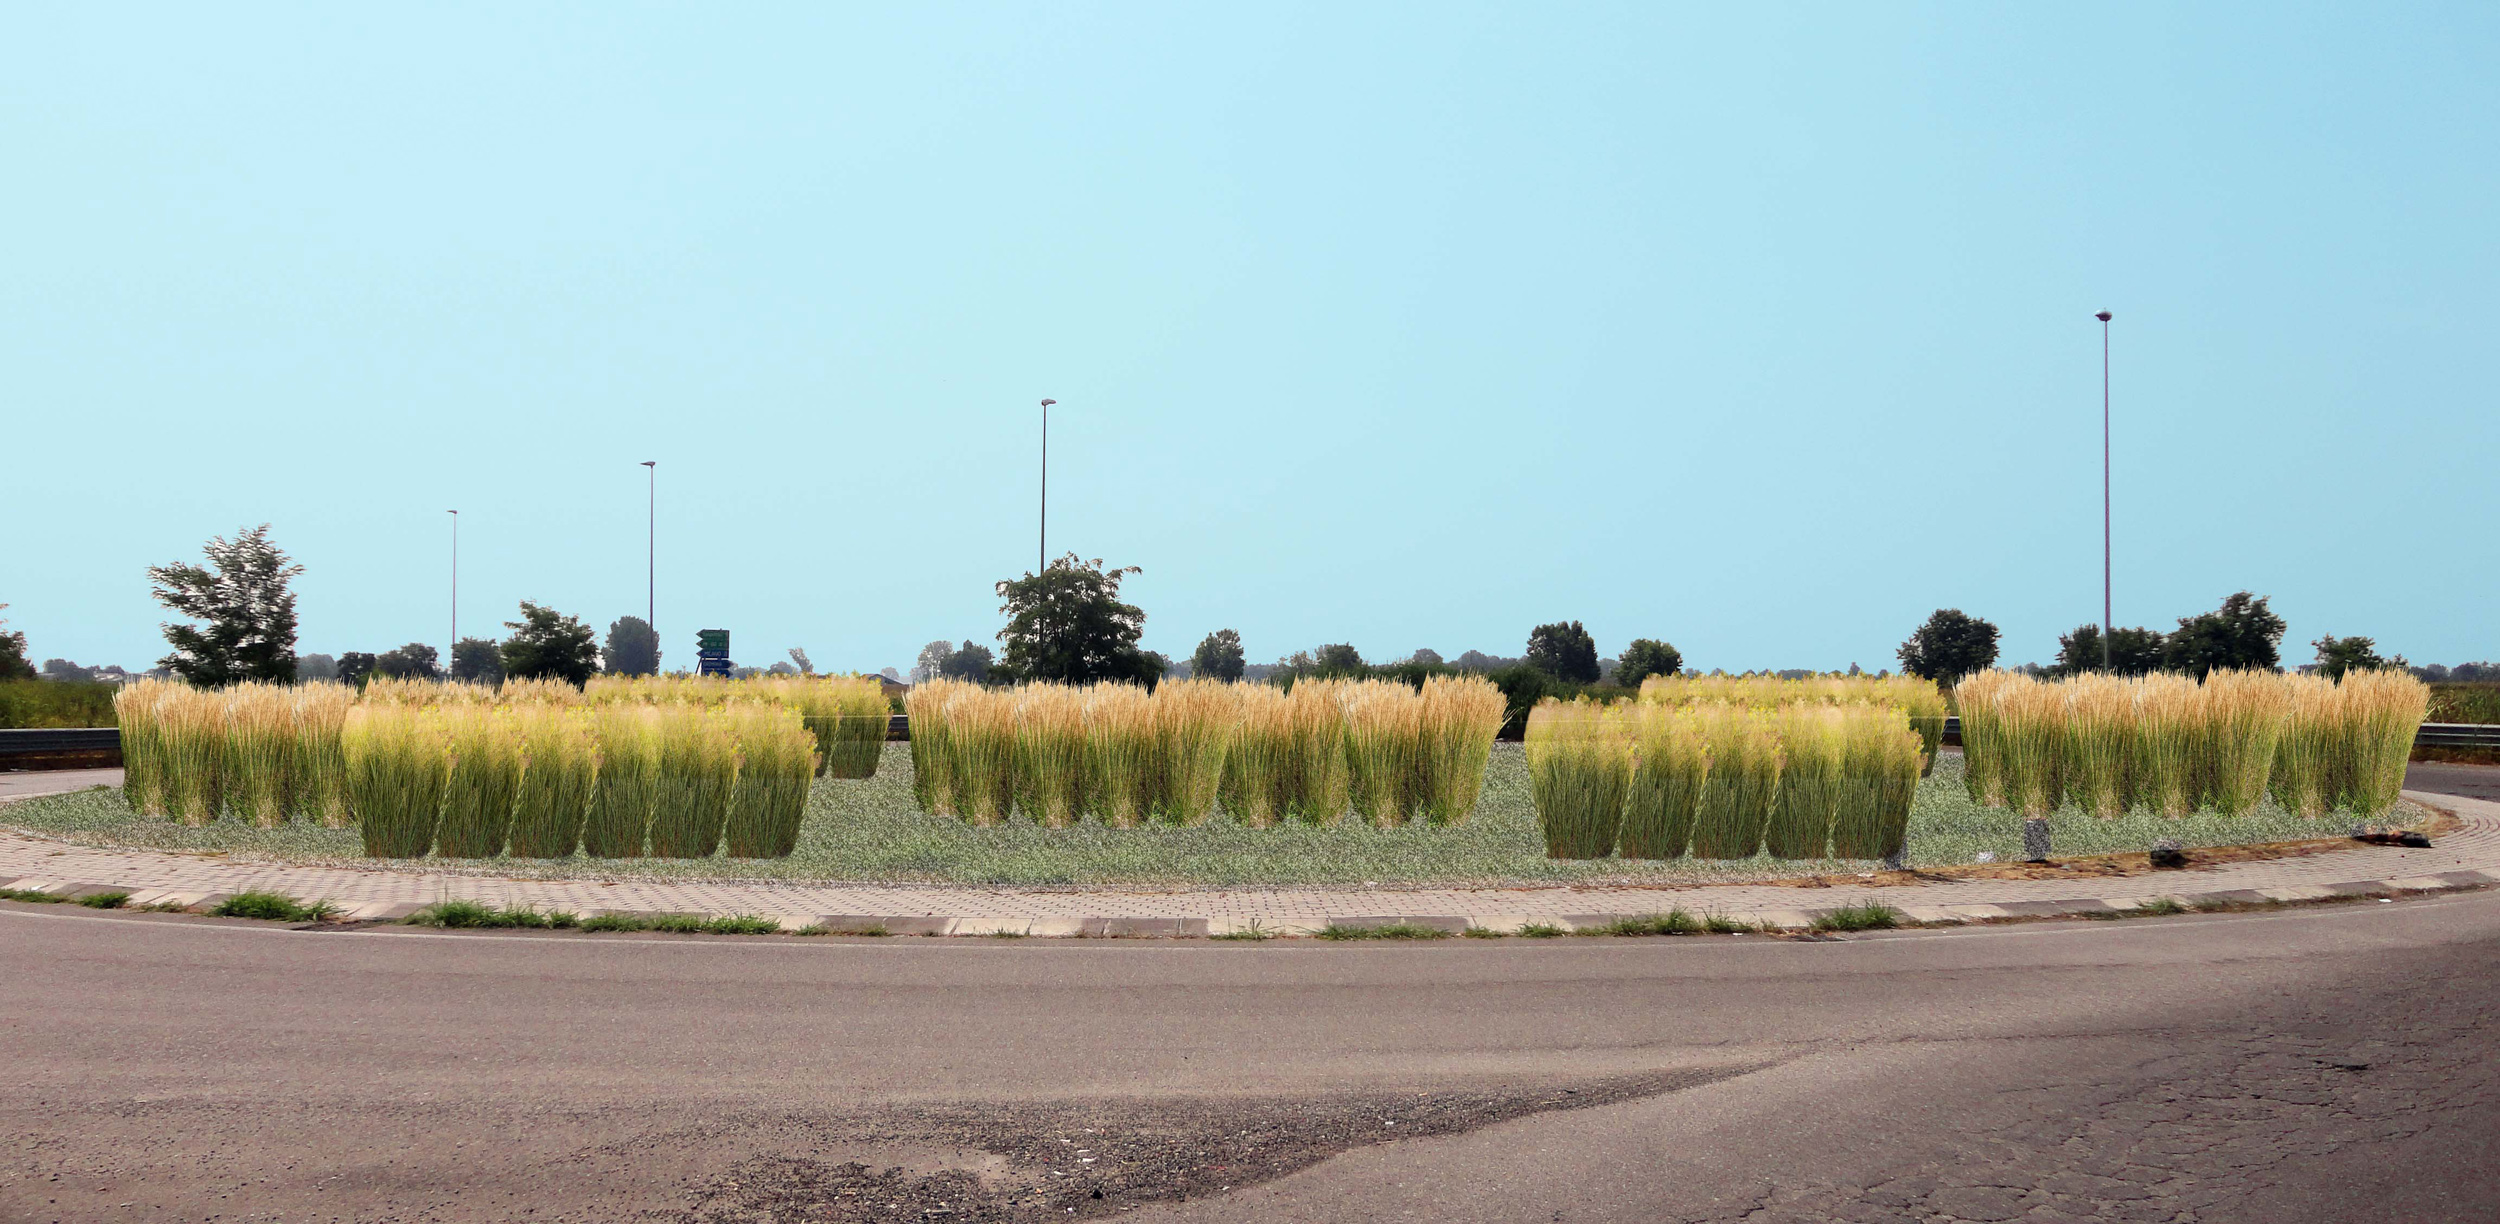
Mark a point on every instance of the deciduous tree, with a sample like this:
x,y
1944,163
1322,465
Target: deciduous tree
x,y
248,607
1949,646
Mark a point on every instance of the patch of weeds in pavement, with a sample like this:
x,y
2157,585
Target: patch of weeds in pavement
x,y
688,924
2158,907
1721,924
1253,933
1865,916
1392,930
822,929
1481,932
466,913
274,907
1008,934
1673,922
30,896
1542,930
105,900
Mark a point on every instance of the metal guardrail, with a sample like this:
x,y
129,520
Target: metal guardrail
x,y
27,741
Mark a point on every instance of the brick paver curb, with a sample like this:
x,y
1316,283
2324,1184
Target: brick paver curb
x,y
2467,857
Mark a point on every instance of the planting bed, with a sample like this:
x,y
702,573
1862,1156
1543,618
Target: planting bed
x,y
871,830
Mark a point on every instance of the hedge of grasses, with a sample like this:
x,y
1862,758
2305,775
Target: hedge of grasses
x,y
1920,702
2173,746
1722,780
536,769
1116,755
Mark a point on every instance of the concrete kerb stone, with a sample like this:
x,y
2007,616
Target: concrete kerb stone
x,y
2467,858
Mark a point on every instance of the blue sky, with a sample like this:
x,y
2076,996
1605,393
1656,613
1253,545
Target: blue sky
x,y
1762,329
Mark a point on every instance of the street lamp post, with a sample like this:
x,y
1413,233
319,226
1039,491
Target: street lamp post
x,y
1041,554
651,591
454,654
2106,626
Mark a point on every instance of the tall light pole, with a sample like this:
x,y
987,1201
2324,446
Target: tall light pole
x,y
1041,554
651,593
454,653
2107,627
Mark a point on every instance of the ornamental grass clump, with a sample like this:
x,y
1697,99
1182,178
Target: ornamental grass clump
x,y
1579,766
627,782
397,762
317,764
697,779
1119,751
981,734
559,775
1812,755
1384,730
1317,781
2162,772
1192,726
478,792
193,740
932,744
1671,765
1049,765
858,712
2243,713
1258,766
1974,699
259,753
1461,715
2093,764
2303,777
2380,712
1881,764
1742,786
143,744
776,765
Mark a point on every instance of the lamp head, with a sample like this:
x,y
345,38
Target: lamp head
x,y
1048,402
650,462
2103,316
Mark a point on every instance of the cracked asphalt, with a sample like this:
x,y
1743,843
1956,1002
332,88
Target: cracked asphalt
x,y
2328,1063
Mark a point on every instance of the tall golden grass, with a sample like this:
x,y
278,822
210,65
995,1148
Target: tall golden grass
x,y
319,763
559,774
1579,769
626,785
777,759
1671,763
1922,705
2171,745
143,744
398,759
485,775
1743,782
697,779
1812,756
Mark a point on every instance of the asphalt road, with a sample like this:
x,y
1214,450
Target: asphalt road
x,y
2331,1063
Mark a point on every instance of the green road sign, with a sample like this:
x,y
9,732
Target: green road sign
x,y
712,639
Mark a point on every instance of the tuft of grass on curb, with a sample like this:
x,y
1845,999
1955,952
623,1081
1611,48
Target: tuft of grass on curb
x,y
273,907
1541,930
1477,932
104,900
1721,924
2160,907
1673,922
1393,930
1865,916
1008,934
475,914
1253,933
696,924
30,896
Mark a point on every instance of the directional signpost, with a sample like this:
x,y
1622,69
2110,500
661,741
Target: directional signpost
x,y
712,652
